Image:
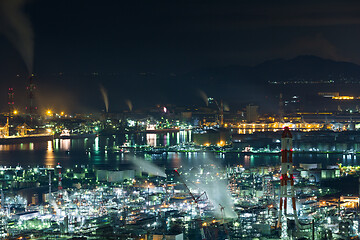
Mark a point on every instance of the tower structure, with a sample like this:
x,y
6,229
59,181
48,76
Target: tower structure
x,y
281,108
287,192
31,93
268,186
11,101
58,167
221,113
2,200
49,185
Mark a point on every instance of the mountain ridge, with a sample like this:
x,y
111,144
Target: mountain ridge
x,y
301,68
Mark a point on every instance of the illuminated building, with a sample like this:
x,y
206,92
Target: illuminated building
x,y
248,128
343,98
349,202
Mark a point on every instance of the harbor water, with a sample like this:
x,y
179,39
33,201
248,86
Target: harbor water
x,y
100,151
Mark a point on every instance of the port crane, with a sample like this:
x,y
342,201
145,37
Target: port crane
x,y
196,201
222,210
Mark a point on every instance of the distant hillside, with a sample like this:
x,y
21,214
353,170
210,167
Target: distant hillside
x,y
299,69
308,68
250,84
235,85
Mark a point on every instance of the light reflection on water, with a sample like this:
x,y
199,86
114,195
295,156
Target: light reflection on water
x,y
65,144
49,159
96,145
151,139
69,152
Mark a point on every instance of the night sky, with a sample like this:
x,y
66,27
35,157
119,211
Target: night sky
x,y
139,48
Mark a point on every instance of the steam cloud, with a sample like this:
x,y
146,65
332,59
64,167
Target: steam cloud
x,y
219,195
16,26
226,107
216,189
105,97
204,97
148,167
129,104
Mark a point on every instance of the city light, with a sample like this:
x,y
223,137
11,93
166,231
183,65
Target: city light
x,y
343,97
48,112
115,137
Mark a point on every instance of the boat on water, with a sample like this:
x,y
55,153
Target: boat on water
x,y
66,134
26,138
24,134
162,130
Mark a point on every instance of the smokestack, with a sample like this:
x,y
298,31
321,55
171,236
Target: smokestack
x,y
31,109
221,113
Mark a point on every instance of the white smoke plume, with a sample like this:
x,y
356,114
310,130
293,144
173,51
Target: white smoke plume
x,y
129,104
219,195
215,184
16,26
226,107
105,97
148,167
204,97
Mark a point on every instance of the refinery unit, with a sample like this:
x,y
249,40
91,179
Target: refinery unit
x,y
107,132
205,201
198,202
